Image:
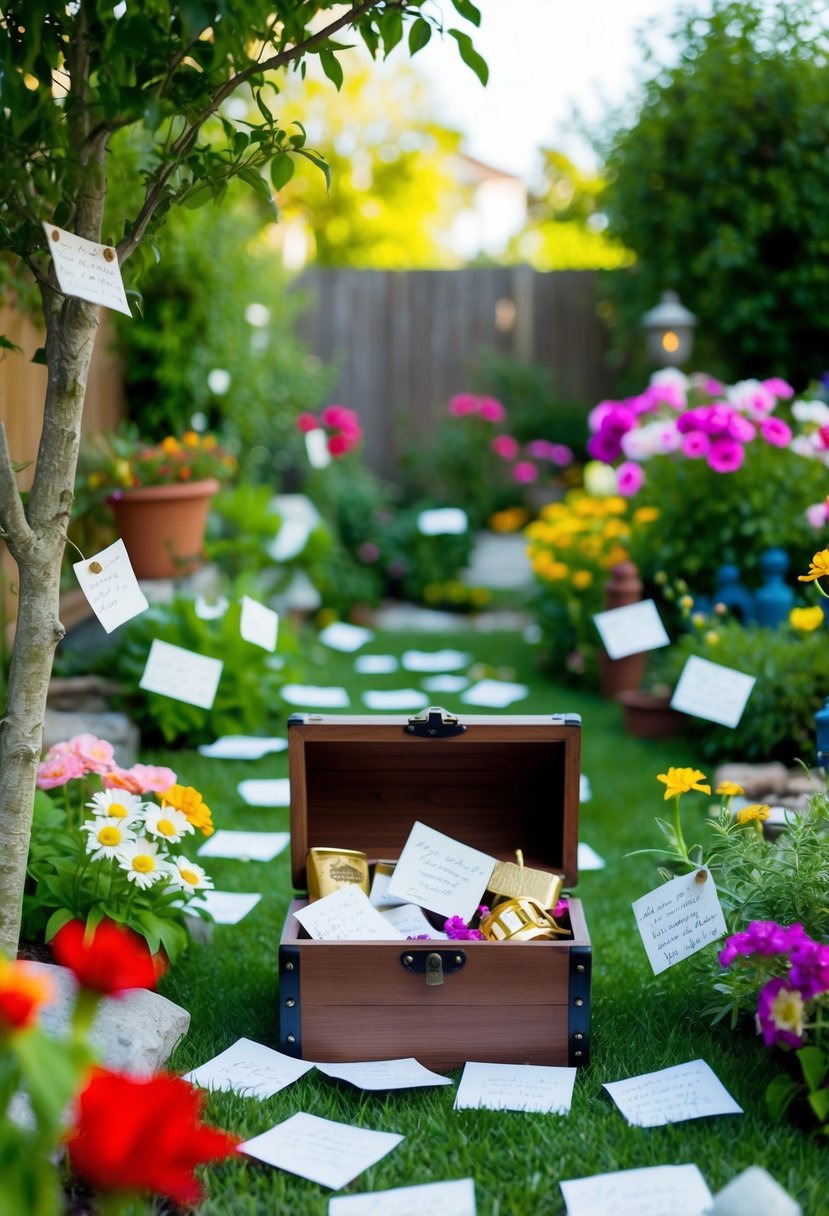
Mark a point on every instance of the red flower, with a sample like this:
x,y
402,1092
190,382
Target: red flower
x,y
108,960
143,1134
307,422
22,991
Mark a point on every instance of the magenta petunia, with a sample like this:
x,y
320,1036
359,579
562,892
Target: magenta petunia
x,y
779,388
462,404
505,446
810,967
307,422
763,937
629,478
740,428
776,432
604,446
780,1014
725,455
491,409
695,445
524,472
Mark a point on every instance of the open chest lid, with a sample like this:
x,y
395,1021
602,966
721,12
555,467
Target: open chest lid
x,y
495,782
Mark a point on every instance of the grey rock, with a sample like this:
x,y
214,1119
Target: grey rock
x,y
756,779
754,1193
116,728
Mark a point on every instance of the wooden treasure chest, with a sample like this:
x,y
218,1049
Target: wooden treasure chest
x,y
496,783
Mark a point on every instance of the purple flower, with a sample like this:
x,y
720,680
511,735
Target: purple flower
x,y
491,409
763,937
695,445
776,432
457,930
604,446
524,472
726,455
779,387
810,968
690,420
715,418
740,428
780,1014
629,478
505,446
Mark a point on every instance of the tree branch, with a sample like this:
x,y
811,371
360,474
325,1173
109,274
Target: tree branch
x,y
16,531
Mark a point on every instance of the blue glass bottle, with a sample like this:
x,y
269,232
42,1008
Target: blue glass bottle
x,y
774,600
730,591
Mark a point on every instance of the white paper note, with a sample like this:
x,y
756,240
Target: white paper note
x,y
445,683
379,893
711,691
631,629
443,521
181,674
290,540
211,611
585,792
229,907
375,664
339,635
588,858
435,660
250,1069
394,698
384,1074
258,624
679,918
539,1088
495,693
330,1153
316,448
672,1095
108,581
242,747
275,791
346,915
245,846
409,919
440,873
430,1199
87,270
656,1190
314,697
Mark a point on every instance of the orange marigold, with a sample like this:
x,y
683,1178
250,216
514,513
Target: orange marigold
x,y
189,801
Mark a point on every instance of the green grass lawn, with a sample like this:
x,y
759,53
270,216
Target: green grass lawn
x,y
639,1023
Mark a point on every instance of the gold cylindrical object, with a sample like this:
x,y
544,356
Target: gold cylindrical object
x,y
330,869
520,920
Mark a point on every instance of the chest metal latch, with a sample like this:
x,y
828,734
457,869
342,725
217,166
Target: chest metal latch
x,y
435,965
435,723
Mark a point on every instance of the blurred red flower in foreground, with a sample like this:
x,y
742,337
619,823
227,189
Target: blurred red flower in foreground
x,y
22,991
143,1134
109,960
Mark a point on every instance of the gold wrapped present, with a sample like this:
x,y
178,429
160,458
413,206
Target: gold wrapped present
x,y
511,881
330,869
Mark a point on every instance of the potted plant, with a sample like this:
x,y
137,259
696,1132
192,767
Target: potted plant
x,y
159,495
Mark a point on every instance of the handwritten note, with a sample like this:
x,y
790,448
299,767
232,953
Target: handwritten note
x,y
245,846
384,1074
653,1191
108,581
631,629
258,624
86,270
181,674
313,696
346,915
394,698
262,791
342,636
443,521
711,691
410,920
229,907
447,1198
330,1153
679,918
434,660
250,1069
440,874
542,1089
495,693
686,1091
243,747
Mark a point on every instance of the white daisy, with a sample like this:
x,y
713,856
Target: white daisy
x,y
106,836
167,823
117,804
141,861
188,876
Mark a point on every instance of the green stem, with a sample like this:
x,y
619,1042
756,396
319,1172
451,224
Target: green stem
x,y
83,1015
680,839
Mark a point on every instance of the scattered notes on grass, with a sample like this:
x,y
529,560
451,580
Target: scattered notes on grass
x,y
445,683
711,691
672,1095
181,674
497,694
409,919
631,629
585,792
384,1074
229,907
395,698
430,1199
211,610
258,624
274,791
653,1191
87,270
434,660
314,697
242,747
249,1069
440,873
375,664
539,1088
346,915
679,918
108,581
321,1150
245,846
443,521
290,540
339,635
588,858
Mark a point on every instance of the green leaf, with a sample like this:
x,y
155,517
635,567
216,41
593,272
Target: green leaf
x,y
322,165
56,921
263,109
819,1102
7,344
255,179
814,1064
240,142
282,170
298,141
695,854
467,10
391,29
419,34
470,56
780,1093
53,1069
39,356
331,67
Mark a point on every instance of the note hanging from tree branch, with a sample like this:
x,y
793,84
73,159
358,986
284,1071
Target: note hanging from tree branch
x,y
86,270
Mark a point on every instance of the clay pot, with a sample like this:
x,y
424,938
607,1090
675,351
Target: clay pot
x,y
163,527
648,715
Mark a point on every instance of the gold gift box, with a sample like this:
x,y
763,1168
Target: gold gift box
x,y
330,869
511,881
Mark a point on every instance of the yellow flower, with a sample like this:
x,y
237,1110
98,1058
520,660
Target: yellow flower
x,y
581,579
729,789
681,780
190,439
818,569
170,445
189,801
787,1010
712,637
806,619
556,571
645,515
757,812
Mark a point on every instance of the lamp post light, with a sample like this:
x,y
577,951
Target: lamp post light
x,y
670,331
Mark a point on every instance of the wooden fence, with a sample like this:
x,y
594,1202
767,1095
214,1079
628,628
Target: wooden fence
x,y
404,342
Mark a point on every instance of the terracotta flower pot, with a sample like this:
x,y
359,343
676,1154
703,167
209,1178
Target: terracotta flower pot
x,y
163,527
648,715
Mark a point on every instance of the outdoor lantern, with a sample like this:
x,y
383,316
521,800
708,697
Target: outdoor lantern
x,y
670,331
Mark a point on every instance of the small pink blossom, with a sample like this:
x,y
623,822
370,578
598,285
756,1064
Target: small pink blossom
x,y
776,432
337,445
307,422
779,388
505,446
725,455
491,409
153,778
58,770
629,478
121,779
524,472
740,428
695,445
96,755
368,552
462,404
818,513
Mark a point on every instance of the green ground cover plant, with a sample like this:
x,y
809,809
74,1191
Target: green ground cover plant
x,y
639,1023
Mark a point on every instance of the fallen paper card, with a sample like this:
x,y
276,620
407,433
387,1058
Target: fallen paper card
x,y
655,1190
381,1075
455,1198
672,1095
250,1069
543,1089
330,1153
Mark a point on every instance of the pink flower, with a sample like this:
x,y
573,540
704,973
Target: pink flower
x,y
307,422
153,778
712,387
96,755
695,445
457,930
740,428
338,445
524,472
368,552
818,513
57,770
604,446
810,968
629,478
726,455
121,779
491,409
560,454
463,403
779,388
763,937
780,1014
776,432
504,446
